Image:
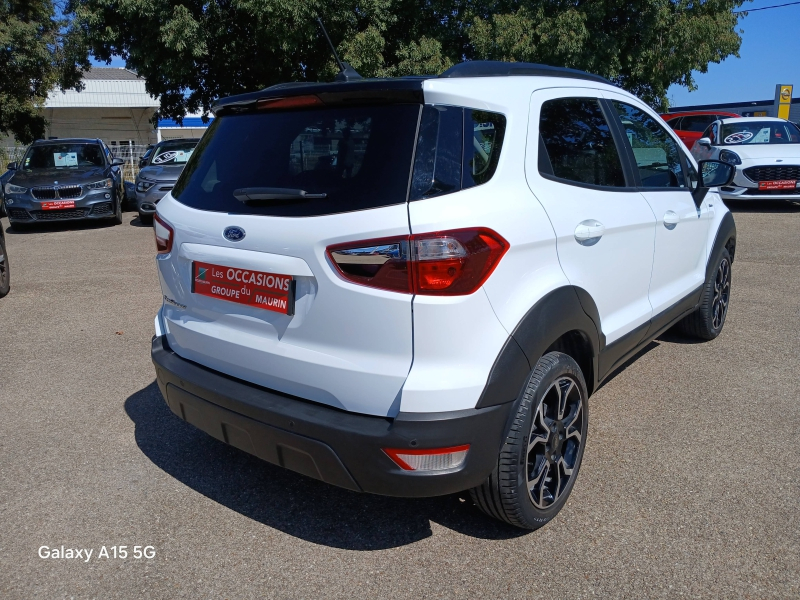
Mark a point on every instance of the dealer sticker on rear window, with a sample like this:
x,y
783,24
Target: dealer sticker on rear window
x,y
253,288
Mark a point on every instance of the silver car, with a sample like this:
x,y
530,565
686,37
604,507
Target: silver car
x,y
159,174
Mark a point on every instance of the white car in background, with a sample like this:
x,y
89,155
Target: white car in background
x,y
765,151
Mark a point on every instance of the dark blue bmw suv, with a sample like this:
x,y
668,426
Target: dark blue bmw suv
x,y
64,179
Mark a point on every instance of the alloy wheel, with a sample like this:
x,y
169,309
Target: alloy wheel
x,y
554,442
722,292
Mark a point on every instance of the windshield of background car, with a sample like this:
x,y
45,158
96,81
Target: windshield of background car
x,y
59,156
359,156
759,132
172,154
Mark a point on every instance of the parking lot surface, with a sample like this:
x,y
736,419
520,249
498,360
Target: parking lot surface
x,y
690,485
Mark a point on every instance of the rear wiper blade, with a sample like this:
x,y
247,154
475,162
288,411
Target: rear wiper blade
x,y
262,194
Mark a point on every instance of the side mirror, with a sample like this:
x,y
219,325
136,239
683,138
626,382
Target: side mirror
x,y
142,163
117,162
12,166
705,142
713,173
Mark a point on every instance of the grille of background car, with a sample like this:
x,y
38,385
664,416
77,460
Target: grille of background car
x,y
757,192
53,193
18,213
57,215
776,173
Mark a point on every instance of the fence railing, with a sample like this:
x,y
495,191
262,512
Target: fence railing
x,y
10,154
130,154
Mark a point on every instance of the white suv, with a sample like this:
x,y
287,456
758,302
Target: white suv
x,y
411,286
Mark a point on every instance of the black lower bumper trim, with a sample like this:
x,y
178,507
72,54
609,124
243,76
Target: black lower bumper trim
x,y
340,448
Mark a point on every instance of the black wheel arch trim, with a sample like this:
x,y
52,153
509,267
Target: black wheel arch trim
x,y
725,238
571,308
561,311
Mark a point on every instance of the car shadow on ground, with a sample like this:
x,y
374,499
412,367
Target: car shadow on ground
x,y
49,227
763,206
137,222
292,503
651,346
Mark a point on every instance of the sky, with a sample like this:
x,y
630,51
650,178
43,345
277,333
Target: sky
x,y
768,56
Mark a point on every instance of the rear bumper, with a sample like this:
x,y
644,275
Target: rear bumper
x,y
335,446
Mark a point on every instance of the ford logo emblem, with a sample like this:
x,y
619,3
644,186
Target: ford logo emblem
x,y
233,234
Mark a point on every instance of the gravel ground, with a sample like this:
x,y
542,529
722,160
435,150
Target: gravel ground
x,y
689,486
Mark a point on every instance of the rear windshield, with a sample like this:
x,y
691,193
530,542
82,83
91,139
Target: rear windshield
x,y
359,157
172,153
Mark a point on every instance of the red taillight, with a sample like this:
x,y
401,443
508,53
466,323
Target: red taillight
x,y
443,263
290,102
164,235
428,459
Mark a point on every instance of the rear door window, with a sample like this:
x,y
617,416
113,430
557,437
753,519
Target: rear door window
x,y
359,157
576,144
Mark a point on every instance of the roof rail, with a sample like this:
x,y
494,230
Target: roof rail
x,y
496,68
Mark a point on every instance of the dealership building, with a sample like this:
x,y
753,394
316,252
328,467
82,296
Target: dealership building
x,y
114,106
755,108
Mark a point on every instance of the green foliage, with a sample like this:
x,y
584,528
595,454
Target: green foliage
x,y
37,54
192,52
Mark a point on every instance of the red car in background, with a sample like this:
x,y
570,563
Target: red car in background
x,y
690,125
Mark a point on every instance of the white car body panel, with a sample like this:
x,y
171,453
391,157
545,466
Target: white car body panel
x,y
450,370
376,352
616,270
679,262
328,351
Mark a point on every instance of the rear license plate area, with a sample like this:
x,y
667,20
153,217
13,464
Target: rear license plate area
x,y
268,291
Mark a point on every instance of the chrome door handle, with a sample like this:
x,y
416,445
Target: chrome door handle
x,y
671,220
589,232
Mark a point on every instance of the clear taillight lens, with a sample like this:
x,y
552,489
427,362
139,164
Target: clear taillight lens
x,y
380,263
164,235
431,459
444,263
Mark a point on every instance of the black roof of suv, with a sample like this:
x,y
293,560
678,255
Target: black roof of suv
x,y
394,90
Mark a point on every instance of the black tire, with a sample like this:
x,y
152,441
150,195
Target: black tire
x,y
145,219
117,218
707,321
508,494
5,273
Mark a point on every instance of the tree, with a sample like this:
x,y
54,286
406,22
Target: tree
x,y
38,53
192,52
